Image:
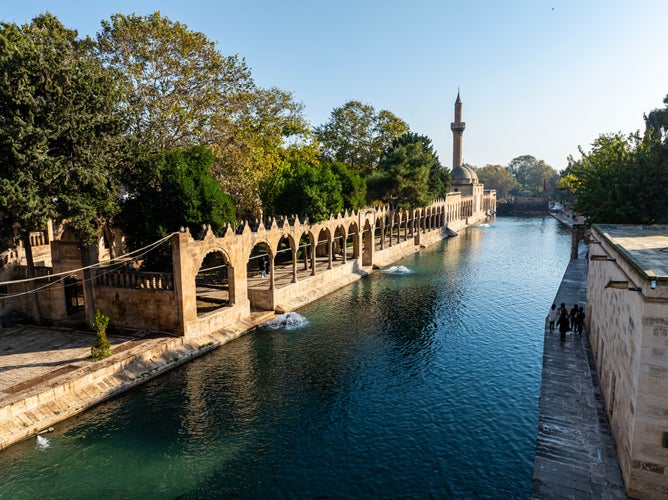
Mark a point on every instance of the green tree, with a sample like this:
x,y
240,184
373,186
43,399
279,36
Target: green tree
x,y
176,189
181,91
298,188
497,177
60,134
657,121
353,186
531,174
357,135
403,177
623,180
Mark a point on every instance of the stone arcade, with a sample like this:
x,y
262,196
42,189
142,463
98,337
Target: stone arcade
x,y
217,281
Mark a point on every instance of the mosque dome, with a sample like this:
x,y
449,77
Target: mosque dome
x,y
464,175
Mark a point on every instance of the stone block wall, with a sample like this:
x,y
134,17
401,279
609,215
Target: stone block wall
x,y
139,308
628,332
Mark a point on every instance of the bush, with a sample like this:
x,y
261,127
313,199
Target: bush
x,y
102,347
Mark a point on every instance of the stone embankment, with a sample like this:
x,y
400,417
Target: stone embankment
x,y
575,450
47,378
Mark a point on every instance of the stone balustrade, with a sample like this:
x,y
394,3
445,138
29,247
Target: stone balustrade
x,y
135,279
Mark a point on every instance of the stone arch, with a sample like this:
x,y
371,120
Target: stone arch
x,y
323,249
353,241
379,232
67,233
285,261
260,266
339,244
214,282
367,243
305,252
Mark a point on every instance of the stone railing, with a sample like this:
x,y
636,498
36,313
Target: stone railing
x,y
40,271
38,239
135,279
8,256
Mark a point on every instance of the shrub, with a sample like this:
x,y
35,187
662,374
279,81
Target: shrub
x,y
102,347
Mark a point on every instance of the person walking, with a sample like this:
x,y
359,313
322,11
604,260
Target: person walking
x,y
264,266
580,321
552,317
562,308
573,316
564,325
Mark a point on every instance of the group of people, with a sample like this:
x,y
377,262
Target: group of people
x,y
565,321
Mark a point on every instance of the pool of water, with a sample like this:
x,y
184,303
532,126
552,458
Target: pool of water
x,y
413,384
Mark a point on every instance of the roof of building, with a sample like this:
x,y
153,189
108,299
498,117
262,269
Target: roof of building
x,y
464,175
645,246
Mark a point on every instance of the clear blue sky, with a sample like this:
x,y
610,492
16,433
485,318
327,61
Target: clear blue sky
x,y
536,77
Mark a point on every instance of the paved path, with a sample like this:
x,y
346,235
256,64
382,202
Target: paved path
x,y
575,451
29,355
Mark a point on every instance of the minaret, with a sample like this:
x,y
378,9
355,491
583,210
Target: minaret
x,y
457,128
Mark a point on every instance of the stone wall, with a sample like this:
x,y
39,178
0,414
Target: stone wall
x,y
339,250
628,331
139,309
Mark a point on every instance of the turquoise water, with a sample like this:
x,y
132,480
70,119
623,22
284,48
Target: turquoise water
x,y
418,385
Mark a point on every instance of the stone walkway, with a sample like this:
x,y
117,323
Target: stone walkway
x,y
31,354
575,450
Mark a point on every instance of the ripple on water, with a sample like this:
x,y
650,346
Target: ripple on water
x,y
421,384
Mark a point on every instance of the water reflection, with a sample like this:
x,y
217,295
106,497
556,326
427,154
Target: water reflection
x,y
424,384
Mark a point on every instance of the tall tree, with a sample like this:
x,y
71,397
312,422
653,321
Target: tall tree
x,y
623,180
353,186
176,189
296,187
357,135
60,132
531,174
181,91
657,121
497,177
403,177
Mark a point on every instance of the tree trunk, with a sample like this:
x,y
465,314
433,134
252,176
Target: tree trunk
x,y
32,285
88,258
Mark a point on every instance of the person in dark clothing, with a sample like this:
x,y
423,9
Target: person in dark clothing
x,y
564,325
574,316
580,321
562,308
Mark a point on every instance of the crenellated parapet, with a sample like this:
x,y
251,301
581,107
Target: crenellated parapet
x,y
275,263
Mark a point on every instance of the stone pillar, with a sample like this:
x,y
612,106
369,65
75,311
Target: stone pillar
x,y
293,249
271,273
184,288
577,233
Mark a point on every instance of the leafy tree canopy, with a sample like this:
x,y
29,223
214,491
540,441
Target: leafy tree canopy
x,y
623,180
531,174
357,135
60,130
657,121
410,173
181,91
353,186
497,177
176,189
298,188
